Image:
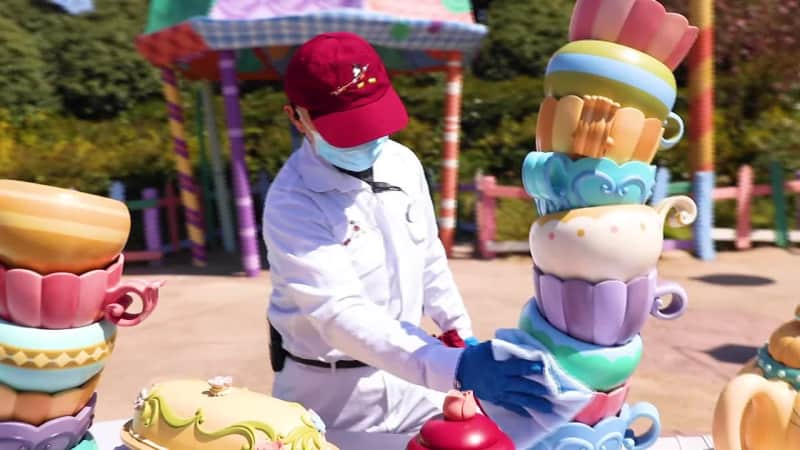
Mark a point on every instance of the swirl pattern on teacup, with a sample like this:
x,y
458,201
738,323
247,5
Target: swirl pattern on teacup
x,y
559,183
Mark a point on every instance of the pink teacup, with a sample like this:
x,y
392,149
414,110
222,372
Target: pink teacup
x,y
602,405
64,300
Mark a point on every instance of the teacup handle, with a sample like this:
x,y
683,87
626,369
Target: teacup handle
x,y
677,304
649,412
118,299
668,143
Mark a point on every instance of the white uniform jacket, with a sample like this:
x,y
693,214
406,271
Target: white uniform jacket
x,y
353,271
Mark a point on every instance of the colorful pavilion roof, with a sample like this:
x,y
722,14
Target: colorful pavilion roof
x,y
410,35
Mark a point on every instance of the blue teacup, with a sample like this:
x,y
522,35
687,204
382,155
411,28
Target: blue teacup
x,y
611,433
558,183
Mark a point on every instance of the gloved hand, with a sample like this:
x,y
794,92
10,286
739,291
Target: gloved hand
x,y
451,338
503,383
471,341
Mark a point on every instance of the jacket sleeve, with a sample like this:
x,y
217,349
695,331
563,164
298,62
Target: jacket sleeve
x,y
326,288
442,300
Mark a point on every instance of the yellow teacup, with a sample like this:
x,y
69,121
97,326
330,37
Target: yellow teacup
x,y
617,242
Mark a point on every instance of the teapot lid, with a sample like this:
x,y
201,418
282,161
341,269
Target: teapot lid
x,y
780,358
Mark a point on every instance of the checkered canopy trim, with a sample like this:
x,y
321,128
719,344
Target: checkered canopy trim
x,y
165,48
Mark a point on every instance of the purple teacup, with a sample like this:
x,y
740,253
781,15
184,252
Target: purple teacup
x,y
609,312
62,433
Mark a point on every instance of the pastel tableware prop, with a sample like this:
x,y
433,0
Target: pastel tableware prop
x,y
759,409
49,229
622,74
603,404
88,443
559,183
642,24
610,312
591,137
675,122
37,408
460,427
600,368
567,115
612,433
650,140
544,124
618,242
625,133
50,361
215,414
597,127
62,433
64,300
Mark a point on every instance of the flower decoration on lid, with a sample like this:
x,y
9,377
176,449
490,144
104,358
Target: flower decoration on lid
x,y
641,24
219,386
141,397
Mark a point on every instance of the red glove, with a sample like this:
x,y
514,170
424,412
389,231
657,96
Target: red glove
x,y
452,339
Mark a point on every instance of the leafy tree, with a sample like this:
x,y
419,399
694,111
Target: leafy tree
x,y
23,83
99,71
91,60
523,36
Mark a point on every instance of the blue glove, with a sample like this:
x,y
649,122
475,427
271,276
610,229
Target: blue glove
x,y
503,383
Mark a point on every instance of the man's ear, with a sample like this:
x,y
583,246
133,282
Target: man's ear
x,y
294,117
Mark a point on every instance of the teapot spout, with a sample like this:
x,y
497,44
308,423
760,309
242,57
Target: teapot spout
x,y
685,210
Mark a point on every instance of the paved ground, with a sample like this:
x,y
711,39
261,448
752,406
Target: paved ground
x,y
209,324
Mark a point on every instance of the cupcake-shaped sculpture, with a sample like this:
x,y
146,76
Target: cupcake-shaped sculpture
x,y
760,408
61,301
596,243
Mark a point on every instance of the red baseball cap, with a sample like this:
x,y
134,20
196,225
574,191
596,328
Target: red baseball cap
x,y
343,83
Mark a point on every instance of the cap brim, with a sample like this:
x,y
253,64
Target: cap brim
x,y
363,124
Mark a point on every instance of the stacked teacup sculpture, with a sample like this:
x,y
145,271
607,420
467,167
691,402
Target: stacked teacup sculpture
x,y
596,244
61,300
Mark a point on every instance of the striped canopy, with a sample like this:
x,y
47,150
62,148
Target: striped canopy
x,y
418,35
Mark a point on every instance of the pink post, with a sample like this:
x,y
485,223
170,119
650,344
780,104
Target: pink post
x,y
251,260
797,201
486,211
152,224
744,199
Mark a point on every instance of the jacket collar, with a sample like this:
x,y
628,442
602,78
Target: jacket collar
x,y
320,176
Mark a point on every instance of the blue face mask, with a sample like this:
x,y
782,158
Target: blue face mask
x,y
355,159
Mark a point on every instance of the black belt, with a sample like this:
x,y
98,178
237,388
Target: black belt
x,y
342,364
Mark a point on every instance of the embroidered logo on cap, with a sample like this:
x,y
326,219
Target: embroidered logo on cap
x,y
359,79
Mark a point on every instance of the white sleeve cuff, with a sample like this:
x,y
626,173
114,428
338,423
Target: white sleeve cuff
x,y
440,364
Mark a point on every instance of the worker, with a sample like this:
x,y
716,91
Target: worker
x,y
356,261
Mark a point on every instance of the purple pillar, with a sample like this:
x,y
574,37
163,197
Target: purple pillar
x,y
241,185
152,224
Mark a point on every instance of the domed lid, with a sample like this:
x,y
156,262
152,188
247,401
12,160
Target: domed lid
x,y
460,427
780,358
784,344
